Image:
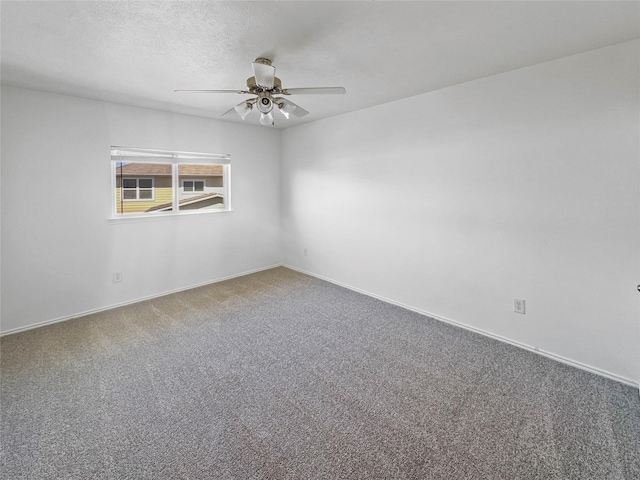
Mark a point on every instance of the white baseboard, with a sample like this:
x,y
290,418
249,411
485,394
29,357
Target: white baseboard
x,y
551,355
129,302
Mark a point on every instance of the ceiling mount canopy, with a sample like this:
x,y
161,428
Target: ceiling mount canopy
x,y
267,88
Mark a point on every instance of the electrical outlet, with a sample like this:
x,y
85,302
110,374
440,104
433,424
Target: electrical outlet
x,y
117,277
518,305
306,253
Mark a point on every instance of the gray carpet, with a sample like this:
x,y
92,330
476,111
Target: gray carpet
x,y
279,375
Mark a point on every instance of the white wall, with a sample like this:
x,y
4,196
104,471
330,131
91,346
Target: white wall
x,y
524,184
59,250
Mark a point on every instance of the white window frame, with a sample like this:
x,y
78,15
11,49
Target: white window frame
x,y
173,158
137,190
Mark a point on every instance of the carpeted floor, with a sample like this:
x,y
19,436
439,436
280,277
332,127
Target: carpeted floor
x,y
278,375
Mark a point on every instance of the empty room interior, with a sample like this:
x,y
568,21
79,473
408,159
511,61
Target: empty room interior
x,y
299,240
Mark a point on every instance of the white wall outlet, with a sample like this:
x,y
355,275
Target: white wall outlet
x,y
518,305
117,277
306,253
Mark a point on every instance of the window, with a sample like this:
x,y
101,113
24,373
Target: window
x,y
137,188
156,182
193,185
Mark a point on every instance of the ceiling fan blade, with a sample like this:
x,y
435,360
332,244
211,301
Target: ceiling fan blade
x,y
215,91
314,90
288,108
228,111
264,74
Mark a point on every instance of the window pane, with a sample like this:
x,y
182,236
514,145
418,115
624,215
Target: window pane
x,y
203,187
147,187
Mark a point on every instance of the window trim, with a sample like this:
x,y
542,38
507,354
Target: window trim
x,y
173,158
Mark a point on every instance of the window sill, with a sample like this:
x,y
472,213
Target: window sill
x,y
133,218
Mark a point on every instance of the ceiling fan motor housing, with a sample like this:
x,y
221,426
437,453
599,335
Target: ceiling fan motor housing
x,y
255,88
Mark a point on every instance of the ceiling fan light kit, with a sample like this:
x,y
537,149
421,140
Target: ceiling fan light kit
x,y
266,118
243,109
265,104
266,86
286,109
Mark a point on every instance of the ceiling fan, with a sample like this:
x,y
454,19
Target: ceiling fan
x,y
267,89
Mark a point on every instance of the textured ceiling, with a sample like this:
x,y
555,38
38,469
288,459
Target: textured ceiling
x,y
138,52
